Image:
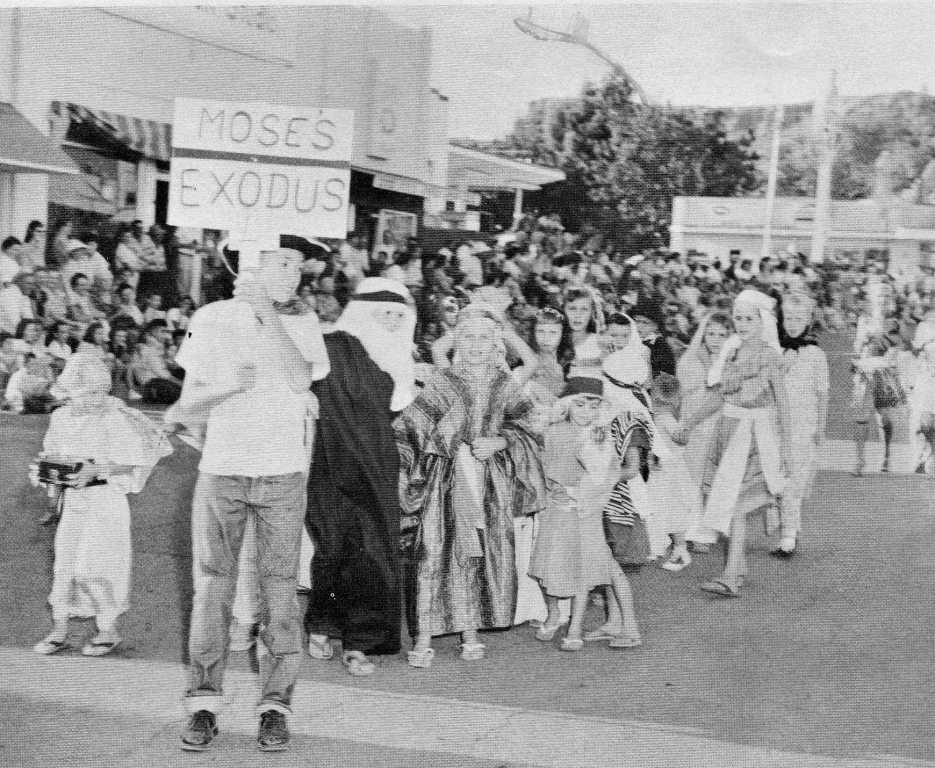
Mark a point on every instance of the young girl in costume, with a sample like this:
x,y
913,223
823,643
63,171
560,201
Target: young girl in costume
x,y
571,556
117,447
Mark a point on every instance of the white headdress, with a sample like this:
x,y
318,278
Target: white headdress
x,y
765,306
392,352
84,374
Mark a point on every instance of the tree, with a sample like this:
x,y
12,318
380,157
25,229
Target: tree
x,y
625,163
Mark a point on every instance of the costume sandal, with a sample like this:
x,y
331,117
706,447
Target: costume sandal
x,y
572,643
472,651
49,645
599,634
626,641
357,664
546,632
320,649
678,560
421,659
101,645
721,587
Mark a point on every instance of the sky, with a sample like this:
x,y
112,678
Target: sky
x,y
700,53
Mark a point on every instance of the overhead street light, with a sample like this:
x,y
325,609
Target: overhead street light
x,y
577,36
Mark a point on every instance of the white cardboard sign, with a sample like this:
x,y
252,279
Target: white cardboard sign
x,y
253,166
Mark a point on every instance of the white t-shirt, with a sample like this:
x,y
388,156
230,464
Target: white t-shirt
x,y
470,265
13,308
265,431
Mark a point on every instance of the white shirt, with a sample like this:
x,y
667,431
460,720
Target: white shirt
x,y
13,308
94,268
265,431
470,265
355,260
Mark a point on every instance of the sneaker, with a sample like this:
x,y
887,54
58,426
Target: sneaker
x,y
273,735
200,732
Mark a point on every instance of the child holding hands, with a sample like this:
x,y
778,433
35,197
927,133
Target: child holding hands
x,y
571,556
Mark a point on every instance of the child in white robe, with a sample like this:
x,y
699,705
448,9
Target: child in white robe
x,y
672,496
118,447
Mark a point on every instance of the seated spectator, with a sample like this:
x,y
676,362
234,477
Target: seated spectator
x,y
58,342
14,306
34,246
179,317
27,391
59,252
150,370
29,340
126,304
81,309
83,258
128,258
10,254
9,360
153,309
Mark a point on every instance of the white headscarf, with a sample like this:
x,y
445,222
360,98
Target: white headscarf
x,y
765,306
628,366
392,352
83,374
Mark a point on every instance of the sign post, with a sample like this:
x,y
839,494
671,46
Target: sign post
x,y
260,170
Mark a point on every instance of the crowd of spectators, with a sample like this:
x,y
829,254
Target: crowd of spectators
x,y
65,296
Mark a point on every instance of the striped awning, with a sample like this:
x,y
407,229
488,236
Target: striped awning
x,y
23,149
148,137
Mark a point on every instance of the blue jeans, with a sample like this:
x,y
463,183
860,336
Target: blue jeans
x,y
220,509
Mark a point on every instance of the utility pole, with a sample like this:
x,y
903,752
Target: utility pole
x,y
827,144
771,182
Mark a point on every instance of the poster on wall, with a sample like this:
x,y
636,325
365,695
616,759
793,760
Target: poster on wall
x,y
394,228
258,167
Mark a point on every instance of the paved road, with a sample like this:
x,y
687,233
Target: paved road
x,y
827,656
825,661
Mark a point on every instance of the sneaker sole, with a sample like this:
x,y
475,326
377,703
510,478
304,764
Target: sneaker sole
x,y
273,747
197,747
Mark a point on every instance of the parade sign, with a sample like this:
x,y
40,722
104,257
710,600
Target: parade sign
x,y
252,166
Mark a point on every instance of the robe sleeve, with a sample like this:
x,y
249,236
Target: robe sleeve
x,y
522,459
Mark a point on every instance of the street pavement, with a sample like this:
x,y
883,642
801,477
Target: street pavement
x,y
824,660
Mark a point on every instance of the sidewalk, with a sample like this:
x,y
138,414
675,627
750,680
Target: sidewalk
x,y
136,714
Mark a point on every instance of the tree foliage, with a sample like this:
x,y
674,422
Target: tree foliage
x,y
625,163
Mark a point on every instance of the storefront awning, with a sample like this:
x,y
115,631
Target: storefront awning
x,y
148,137
23,149
476,170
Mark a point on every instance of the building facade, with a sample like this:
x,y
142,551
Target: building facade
x,y
725,227
102,82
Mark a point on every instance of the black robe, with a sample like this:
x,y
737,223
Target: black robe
x,y
353,504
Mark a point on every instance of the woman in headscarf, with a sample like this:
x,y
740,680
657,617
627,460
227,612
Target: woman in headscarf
x,y
693,367
807,389
353,487
750,451
470,463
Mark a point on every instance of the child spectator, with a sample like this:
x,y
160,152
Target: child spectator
x,y
117,448
27,391
179,317
126,304
153,309
150,371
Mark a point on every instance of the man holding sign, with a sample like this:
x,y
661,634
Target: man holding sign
x,y
248,372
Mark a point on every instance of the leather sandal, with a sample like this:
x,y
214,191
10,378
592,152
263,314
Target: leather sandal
x,y
721,587
572,643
